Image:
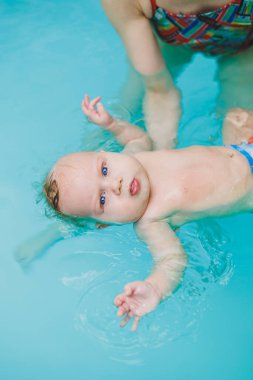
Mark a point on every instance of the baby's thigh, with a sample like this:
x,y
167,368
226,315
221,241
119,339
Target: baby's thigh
x,y
235,76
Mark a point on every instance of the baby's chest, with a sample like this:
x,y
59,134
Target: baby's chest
x,y
183,193
181,204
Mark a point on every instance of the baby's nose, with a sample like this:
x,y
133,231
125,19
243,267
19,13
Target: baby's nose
x,y
117,185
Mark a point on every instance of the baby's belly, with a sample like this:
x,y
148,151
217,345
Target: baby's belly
x,y
223,179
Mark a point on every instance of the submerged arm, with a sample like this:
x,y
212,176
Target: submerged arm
x,y
162,110
168,254
141,297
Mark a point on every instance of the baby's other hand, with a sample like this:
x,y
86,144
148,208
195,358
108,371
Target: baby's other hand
x,y
138,299
96,112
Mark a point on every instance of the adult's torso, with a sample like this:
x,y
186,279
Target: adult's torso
x,y
214,27
182,6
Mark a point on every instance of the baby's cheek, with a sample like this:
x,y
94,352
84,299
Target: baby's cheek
x,y
135,209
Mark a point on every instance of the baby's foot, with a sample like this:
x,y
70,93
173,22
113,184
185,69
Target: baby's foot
x,y
238,126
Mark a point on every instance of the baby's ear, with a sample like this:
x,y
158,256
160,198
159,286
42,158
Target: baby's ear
x,y
99,226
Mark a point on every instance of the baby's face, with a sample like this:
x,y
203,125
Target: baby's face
x,y
109,187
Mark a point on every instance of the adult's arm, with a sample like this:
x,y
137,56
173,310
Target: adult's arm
x,y
162,99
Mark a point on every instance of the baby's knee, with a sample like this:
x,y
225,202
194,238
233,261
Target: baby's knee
x,y
238,126
238,117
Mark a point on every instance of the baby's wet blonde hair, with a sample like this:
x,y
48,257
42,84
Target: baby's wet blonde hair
x,y
52,195
51,191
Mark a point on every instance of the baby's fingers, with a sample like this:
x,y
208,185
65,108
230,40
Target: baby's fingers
x,y
85,104
125,321
84,107
86,101
135,323
129,289
101,109
123,309
95,101
118,300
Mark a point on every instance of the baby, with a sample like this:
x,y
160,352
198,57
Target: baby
x,y
158,191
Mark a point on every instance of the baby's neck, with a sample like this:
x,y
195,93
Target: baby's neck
x,y
147,159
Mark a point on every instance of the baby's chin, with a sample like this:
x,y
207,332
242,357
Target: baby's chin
x,y
118,221
123,219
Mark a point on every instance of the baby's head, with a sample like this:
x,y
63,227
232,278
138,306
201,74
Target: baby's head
x,y
103,186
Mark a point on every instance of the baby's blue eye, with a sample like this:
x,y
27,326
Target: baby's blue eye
x,y
102,200
104,170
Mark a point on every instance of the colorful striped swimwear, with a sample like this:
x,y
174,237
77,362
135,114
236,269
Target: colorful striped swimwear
x,y
228,29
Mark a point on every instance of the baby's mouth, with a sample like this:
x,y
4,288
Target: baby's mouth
x,y
134,187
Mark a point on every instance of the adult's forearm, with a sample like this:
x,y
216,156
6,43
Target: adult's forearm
x,y
162,113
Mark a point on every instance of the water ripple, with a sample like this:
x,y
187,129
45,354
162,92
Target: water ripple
x,y
210,264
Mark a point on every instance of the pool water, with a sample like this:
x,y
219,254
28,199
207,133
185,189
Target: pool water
x,y
57,316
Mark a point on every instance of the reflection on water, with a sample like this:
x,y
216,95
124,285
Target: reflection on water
x,y
210,264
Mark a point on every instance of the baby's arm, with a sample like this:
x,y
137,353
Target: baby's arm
x,y
133,138
141,297
238,126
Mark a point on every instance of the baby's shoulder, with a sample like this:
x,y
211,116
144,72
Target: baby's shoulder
x,y
151,217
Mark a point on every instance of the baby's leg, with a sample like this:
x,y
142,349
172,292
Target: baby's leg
x,y
238,126
236,83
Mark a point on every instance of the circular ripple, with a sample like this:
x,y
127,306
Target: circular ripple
x,y
96,315
176,317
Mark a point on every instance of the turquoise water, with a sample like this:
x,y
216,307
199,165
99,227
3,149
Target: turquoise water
x,y
57,316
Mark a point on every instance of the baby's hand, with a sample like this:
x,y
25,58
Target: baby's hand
x,y
138,299
95,111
